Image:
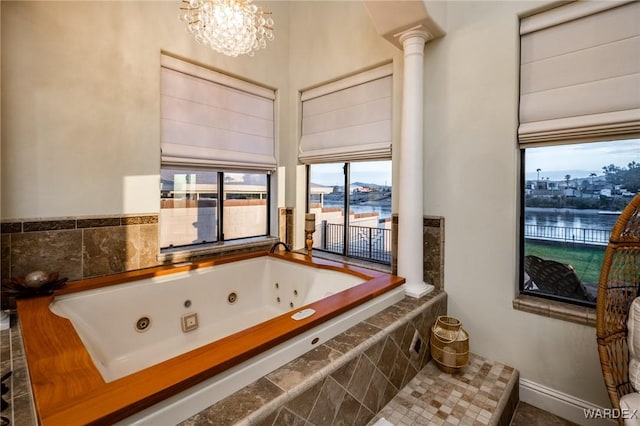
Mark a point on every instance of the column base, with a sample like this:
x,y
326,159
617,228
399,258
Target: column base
x,y
417,289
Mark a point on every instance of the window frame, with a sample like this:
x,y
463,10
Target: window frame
x,y
220,237
586,236
346,166
522,253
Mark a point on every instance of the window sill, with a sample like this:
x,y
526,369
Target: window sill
x,y
554,309
185,254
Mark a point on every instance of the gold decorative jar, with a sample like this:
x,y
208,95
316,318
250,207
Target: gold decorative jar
x,y
449,344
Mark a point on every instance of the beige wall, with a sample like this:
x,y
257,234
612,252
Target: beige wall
x,y
81,101
80,136
471,178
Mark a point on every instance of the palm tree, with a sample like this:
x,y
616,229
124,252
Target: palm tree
x,y
567,178
538,170
592,175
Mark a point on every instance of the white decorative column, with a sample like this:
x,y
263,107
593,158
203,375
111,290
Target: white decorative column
x,y
410,188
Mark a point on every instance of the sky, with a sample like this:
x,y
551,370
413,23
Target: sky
x,y
554,162
579,160
377,172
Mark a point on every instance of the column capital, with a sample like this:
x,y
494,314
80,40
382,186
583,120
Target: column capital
x,y
419,31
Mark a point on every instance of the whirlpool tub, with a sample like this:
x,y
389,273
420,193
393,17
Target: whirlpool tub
x,y
156,346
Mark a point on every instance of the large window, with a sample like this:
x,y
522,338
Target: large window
x,y
346,143
217,153
192,211
579,119
352,204
572,196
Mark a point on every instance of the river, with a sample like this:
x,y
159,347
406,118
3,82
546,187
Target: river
x,y
566,218
569,218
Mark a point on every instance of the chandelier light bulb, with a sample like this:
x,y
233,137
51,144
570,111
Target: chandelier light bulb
x,y
231,27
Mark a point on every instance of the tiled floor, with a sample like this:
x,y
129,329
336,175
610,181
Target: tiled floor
x,y
528,415
477,396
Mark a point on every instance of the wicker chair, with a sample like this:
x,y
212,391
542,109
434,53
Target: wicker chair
x,y
555,278
619,284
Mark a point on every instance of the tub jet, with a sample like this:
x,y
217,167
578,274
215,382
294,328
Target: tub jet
x,y
143,324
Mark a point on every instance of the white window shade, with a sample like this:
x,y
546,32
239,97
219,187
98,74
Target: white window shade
x,y
580,73
349,119
212,120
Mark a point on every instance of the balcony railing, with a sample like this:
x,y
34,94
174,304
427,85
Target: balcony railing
x,y
567,234
363,242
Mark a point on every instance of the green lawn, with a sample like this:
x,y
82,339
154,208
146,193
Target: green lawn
x,y
586,261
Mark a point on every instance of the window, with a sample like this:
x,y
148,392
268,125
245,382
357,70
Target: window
x,y
245,209
218,150
188,208
579,119
192,212
364,190
346,143
573,195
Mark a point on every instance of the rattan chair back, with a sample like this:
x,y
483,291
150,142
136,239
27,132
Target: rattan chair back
x,y
619,284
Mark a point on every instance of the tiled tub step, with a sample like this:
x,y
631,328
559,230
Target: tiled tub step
x,y
483,393
344,381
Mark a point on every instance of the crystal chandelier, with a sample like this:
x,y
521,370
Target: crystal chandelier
x,y
232,27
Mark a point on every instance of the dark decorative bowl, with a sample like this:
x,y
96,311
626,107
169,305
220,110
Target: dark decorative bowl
x,y
18,287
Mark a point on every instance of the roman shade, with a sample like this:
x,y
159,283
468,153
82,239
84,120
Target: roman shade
x,y
580,73
212,120
348,119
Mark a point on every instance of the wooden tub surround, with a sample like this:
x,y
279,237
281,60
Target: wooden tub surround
x,y
69,390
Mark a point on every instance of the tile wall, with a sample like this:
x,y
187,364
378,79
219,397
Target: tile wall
x,y
79,247
345,381
85,247
433,240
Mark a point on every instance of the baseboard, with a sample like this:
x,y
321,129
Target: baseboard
x,y
561,404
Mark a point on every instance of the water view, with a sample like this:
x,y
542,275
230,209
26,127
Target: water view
x,y
571,218
573,196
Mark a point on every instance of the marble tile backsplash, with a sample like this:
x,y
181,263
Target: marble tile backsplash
x,y
78,248
85,247
433,257
433,237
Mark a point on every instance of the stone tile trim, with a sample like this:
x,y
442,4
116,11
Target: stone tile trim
x,y
48,225
33,225
10,227
345,380
555,309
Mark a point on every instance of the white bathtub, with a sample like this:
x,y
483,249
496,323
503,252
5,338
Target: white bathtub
x,y
265,292
262,288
